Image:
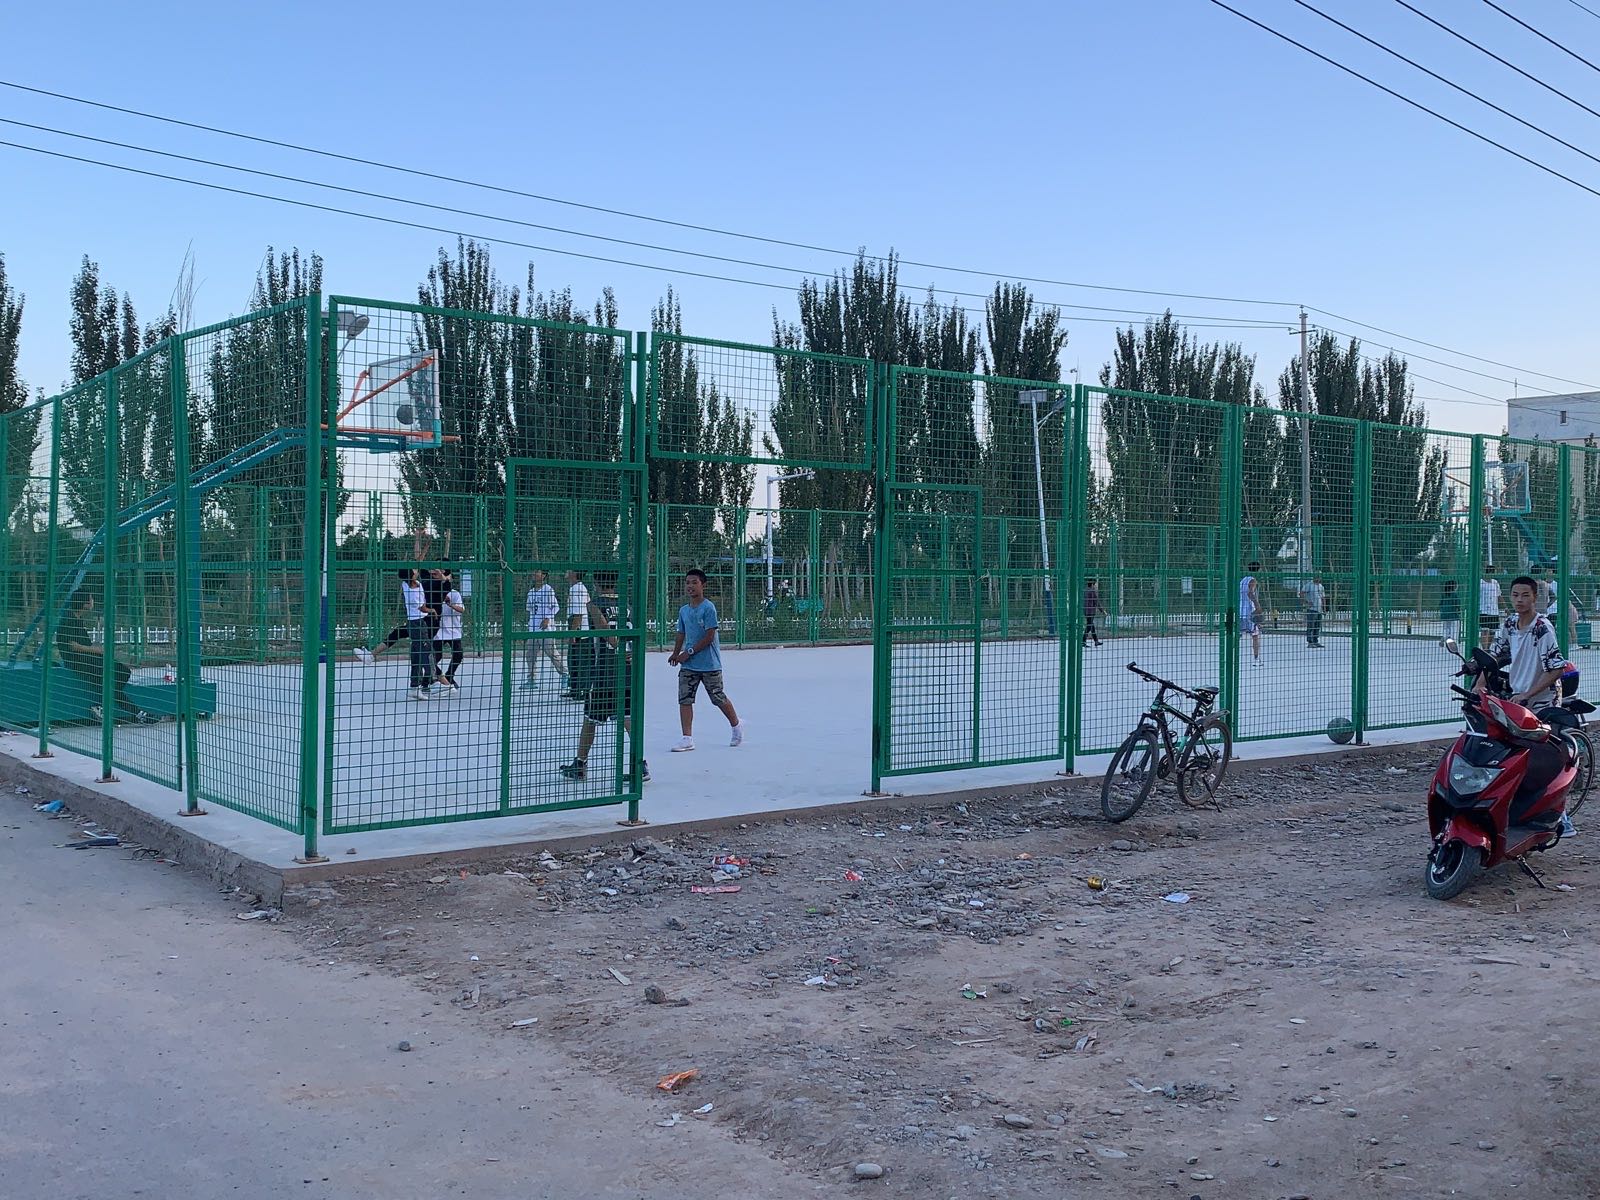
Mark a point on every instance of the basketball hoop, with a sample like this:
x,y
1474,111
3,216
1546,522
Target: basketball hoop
x,y
398,404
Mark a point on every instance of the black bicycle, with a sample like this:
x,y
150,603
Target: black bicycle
x,y
1150,752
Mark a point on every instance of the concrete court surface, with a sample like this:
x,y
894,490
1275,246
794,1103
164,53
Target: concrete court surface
x,y
808,710
153,1045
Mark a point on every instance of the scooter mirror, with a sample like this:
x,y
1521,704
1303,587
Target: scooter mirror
x,y
1453,646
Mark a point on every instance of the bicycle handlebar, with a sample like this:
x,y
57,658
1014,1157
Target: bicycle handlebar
x,y
1167,683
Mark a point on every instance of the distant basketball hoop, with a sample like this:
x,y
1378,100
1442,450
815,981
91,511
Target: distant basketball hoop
x,y
394,405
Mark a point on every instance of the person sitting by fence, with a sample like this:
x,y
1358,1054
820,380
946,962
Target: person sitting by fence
x,y
86,661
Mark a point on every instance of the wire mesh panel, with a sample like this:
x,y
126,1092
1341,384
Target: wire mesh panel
x,y
1582,583
252,407
1005,437
934,653
26,507
575,671
1423,590
428,548
1159,543
1296,669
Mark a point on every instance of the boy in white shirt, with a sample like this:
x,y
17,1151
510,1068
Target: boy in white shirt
x,y
543,609
417,628
449,635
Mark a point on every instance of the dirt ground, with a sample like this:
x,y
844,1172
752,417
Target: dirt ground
x,y
973,1017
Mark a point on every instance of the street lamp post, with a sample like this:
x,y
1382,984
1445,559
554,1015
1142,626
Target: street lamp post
x,y
782,477
1033,398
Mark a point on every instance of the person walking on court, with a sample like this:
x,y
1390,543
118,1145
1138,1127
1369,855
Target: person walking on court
x,y
611,661
1313,598
420,544
581,656
1488,606
1250,612
419,630
1091,610
543,609
1450,611
697,653
448,636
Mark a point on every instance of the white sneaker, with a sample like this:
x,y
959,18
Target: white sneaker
x,y
1568,829
738,735
421,694
682,744
364,655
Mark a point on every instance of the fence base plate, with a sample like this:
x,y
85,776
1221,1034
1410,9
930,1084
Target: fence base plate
x,y
197,812
315,858
634,824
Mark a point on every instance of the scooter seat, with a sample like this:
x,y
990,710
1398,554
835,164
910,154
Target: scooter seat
x,y
1555,715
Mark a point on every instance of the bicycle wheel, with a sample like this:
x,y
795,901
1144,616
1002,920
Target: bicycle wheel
x,y
1131,775
1583,752
1204,761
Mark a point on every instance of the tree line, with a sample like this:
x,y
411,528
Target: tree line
x,y
555,389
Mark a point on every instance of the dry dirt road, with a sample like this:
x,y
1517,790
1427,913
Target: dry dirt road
x,y
968,1014
975,1019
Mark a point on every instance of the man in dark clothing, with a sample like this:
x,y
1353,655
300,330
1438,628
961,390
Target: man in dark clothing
x,y
86,661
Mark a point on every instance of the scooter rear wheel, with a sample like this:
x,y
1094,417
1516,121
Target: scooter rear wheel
x,y
1451,867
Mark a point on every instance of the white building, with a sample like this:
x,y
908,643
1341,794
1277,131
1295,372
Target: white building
x,y
1569,418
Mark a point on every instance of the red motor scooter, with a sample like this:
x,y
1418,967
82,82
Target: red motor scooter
x,y
1502,788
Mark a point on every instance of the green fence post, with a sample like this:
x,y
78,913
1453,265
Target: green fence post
x,y
1361,633
1072,551
1561,544
639,512
480,566
318,586
259,567
737,538
814,579
1233,567
141,591
977,623
881,389
1163,584
186,572
508,667
47,635
1476,524
108,559
1004,574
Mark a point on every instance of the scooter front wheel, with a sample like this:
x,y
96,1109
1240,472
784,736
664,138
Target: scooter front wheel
x,y
1452,866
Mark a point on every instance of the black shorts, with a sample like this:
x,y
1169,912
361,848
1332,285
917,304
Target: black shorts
x,y
601,705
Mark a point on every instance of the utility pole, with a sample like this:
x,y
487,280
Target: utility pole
x,y
1305,451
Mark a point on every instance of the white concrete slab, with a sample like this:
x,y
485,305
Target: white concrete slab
x,y
808,712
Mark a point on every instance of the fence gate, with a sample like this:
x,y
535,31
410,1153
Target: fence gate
x,y
569,519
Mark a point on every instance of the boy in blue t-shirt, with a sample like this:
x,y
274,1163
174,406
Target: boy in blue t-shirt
x,y
701,662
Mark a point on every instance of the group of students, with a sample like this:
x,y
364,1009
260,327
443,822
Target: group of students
x,y
435,609
599,673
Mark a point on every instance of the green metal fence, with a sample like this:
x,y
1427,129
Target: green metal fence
x,y
202,551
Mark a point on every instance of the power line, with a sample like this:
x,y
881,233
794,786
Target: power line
x,y
1585,8
705,228
1408,100
1460,353
1539,33
463,212
1503,62
1449,82
1200,322
617,212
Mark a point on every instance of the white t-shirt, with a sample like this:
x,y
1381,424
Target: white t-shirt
x,y
578,603
1312,596
1489,598
542,607
1527,654
411,593
450,619
1247,606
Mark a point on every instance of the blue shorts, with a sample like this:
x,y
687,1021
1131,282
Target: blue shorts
x,y
1248,625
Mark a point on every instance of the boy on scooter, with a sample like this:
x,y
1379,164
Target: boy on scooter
x,y
1525,646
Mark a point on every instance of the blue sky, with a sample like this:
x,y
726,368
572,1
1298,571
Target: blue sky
x,y
1160,144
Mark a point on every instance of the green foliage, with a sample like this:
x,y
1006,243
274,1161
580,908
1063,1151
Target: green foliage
x,y
19,431
1163,458
693,418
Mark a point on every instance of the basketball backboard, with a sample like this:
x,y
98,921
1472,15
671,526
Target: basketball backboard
x,y
1505,490
394,404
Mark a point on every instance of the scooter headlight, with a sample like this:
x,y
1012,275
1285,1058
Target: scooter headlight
x,y
1468,780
